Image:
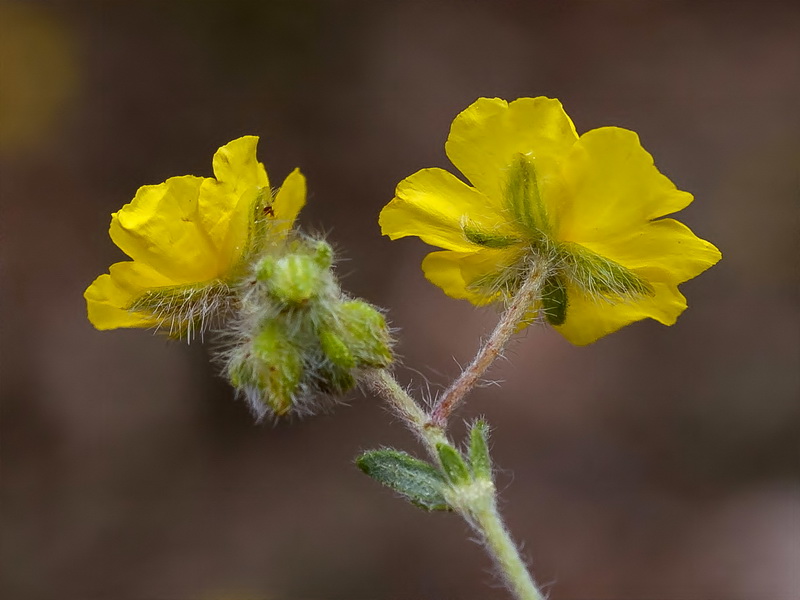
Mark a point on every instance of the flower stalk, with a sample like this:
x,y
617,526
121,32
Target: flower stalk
x,y
529,293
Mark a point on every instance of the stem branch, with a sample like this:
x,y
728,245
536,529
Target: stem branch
x,y
520,304
385,385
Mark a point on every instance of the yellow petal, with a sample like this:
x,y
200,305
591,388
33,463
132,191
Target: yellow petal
x,y
110,295
136,278
485,138
291,197
663,250
435,205
610,187
236,165
226,203
456,272
589,319
102,298
225,216
162,228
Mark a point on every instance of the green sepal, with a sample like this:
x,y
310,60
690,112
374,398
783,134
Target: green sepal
x,y
479,460
417,481
598,276
453,464
183,311
335,349
554,300
524,199
488,239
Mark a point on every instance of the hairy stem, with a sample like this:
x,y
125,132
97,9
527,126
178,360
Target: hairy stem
x,y
478,509
385,385
518,307
487,522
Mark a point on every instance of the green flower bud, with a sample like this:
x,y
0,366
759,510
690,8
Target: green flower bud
x,y
296,279
269,370
365,334
280,366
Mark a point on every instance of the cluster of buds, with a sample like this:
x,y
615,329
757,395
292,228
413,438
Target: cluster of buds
x,y
296,337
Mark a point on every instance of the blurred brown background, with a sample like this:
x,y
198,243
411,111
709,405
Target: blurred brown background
x,y
660,463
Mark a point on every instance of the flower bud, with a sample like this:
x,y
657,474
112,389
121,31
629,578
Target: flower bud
x,y
366,334
269,371
296,279
280,366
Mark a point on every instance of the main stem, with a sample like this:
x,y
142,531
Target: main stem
x,y
520,304
481,512
487,522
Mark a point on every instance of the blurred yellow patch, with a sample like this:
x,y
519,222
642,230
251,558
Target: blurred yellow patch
x,y
38,74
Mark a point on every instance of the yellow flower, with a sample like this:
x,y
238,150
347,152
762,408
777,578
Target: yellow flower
x,y
588,209
189,237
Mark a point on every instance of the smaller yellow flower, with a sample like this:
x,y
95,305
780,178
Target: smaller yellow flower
x,y
189,238
587,209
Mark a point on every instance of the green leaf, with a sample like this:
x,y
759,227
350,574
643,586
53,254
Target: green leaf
x,y
419,482
479,459
452,464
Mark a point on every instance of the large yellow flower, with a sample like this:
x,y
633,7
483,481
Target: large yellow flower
x,y
586,208
188,237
